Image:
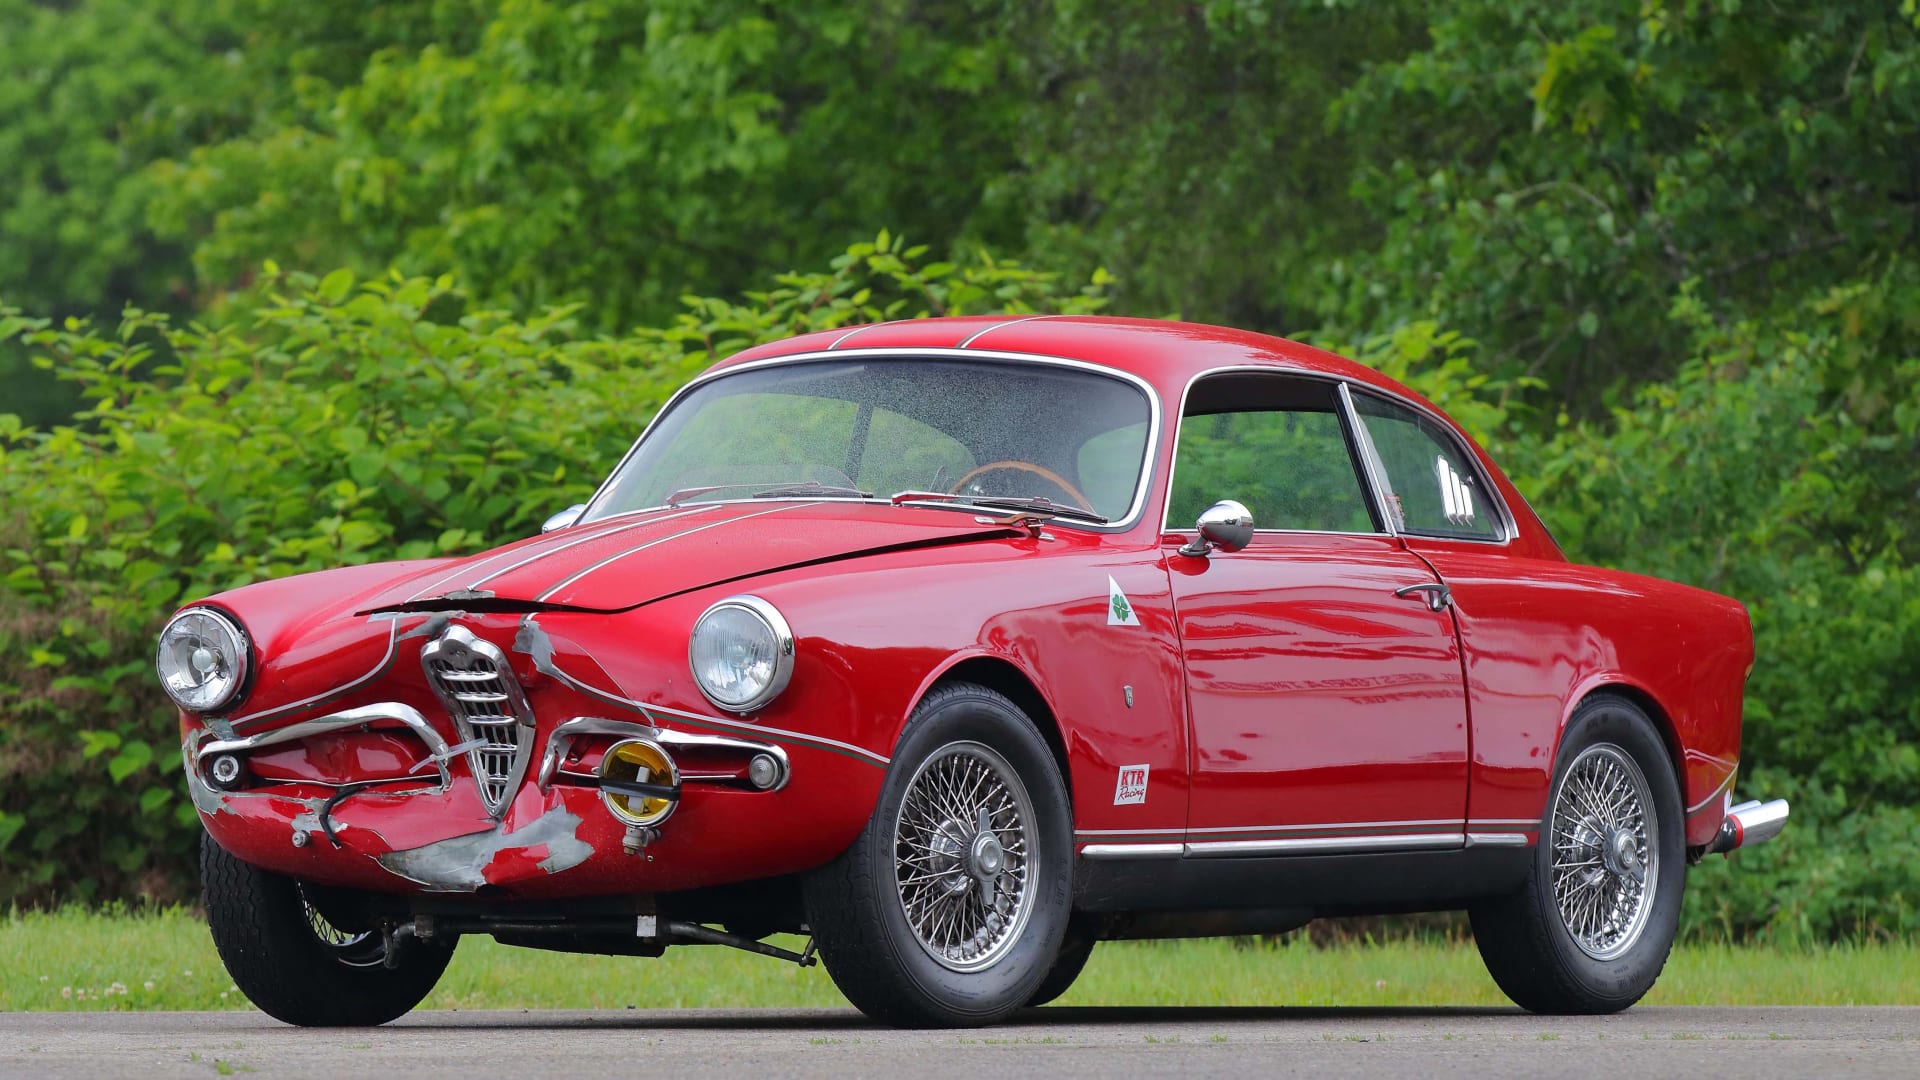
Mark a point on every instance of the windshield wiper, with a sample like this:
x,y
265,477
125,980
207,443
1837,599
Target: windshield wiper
x,y
945,500
791,490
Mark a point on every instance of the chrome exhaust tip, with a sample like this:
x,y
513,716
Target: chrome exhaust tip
x,y
1748,824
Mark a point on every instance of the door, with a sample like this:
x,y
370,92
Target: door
x,y
1327,705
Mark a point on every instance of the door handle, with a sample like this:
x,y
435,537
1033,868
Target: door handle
x,y
1437,595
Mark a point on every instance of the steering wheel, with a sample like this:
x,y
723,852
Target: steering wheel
x,y
1044,473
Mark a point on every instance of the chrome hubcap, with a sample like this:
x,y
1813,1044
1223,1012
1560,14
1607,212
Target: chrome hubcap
x,y
1605,861
961,856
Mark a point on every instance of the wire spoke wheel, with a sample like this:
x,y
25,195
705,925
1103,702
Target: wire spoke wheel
x,y
365,949
963,856
1605,867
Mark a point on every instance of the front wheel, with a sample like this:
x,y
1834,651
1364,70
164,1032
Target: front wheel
x,y
296,965
1592,926
950,907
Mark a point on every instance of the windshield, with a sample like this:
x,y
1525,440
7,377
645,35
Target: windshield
x,y
851,429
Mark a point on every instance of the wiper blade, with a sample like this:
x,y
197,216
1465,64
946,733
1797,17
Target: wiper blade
x,y
811,488
941,500
799,489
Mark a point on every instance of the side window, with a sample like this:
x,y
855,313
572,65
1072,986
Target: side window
x,y
1431,487
1276,445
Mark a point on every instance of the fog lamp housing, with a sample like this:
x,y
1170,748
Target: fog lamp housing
x,y
639,782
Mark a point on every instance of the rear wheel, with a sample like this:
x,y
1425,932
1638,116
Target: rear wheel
x,y
1591,928
950,907
295,964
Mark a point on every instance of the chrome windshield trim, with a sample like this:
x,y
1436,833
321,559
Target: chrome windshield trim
x,y
1149,455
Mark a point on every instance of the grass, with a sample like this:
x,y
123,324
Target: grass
x,y
79,960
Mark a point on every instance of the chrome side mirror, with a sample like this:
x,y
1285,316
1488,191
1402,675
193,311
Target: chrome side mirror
x,y
1226,525
564,518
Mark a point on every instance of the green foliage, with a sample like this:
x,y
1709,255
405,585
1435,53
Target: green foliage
x,y
618,153
340,422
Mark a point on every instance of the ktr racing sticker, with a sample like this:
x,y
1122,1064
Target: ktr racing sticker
x,y
1132,787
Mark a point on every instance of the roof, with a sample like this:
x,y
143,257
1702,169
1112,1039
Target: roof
x,y
1166,354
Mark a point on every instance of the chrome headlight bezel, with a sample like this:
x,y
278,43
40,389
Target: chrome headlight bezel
x,y
234,648
779,638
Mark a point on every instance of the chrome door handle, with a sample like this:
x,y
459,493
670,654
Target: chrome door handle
x,y
1438,596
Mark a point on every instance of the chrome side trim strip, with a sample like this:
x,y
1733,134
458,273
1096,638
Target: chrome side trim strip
x,y
1132,851
393,639
1496,839
1724,786
349,718
1324,826
1326,845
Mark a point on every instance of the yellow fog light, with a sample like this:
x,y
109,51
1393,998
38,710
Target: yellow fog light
x,y
639,782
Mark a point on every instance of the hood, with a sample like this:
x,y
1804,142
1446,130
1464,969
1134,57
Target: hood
x,y
621,562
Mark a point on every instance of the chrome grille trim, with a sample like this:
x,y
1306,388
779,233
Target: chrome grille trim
x,y
474,682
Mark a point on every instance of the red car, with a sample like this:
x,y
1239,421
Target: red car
x,y
959,646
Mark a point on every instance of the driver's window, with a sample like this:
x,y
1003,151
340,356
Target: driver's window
x,y
1278,446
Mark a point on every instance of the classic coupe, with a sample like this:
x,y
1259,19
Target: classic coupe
x,y
959,646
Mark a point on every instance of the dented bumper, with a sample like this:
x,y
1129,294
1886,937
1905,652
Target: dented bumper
x,y
413,818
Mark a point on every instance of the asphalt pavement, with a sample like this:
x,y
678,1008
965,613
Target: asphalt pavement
x,y
1108,1043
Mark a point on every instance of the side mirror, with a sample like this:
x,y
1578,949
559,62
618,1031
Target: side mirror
x,y
1226,525
564,518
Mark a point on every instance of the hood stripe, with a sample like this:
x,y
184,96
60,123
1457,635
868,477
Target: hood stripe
x,y
468,568
611,559
996,326
558,548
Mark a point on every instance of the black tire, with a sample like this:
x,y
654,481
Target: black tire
x,y
1528,945
1075,950
261,928
854,904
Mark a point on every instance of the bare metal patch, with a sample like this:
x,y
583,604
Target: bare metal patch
x,y
459,864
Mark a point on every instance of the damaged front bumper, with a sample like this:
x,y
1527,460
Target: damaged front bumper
x,y
410,819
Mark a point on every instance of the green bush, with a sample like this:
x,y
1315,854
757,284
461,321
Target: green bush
x,y
331,422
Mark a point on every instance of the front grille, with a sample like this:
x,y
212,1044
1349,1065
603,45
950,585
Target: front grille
x,y
484,700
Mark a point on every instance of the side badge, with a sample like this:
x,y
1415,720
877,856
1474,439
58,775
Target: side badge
x,y
1119,611
1132,788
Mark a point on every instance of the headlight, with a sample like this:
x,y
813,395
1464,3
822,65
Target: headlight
x,y
203,659
741,653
